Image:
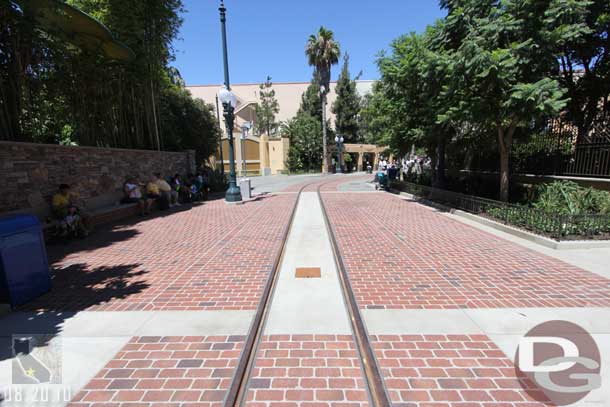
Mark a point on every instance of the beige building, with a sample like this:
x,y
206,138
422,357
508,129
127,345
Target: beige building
x,y
256,153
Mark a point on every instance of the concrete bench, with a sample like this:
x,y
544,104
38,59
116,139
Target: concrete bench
x,y
112,213
101,210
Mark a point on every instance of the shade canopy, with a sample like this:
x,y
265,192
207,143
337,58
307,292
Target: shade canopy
x,y
74,26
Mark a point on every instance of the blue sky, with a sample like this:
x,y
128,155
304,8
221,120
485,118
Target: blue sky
x,y
267,37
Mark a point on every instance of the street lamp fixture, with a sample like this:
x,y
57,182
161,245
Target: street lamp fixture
x,y
339,140
229,103
227,97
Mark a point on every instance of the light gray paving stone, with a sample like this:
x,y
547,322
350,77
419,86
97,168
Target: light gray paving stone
x,y
186,323
521,320
414,321
307,306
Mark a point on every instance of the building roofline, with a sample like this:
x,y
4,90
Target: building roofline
x,y
274,83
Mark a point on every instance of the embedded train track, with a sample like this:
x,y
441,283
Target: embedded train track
x,y
237,393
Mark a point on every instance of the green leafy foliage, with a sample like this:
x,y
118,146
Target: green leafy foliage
x,y
305,152
347,105
581,29
563,208
322,52
55,92
267,109
191,121
377,121
482,75
545,221
311,103
218,180
567,197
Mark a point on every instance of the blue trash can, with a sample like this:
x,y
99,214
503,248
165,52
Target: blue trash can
x,y
24,268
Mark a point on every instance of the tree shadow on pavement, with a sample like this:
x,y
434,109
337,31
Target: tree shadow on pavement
x,y
109,234
102,237
75,288
79,286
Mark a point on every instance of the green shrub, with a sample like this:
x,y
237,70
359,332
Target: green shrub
x,y
569,198
526,218
218,182
562,209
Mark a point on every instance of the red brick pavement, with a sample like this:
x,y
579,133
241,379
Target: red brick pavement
x,y
210,257
307,371
400,254
165,372
450,371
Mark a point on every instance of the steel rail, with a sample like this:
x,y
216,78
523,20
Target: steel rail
x,y
372,372
236,395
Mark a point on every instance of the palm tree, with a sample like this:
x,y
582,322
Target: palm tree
x,y
322,53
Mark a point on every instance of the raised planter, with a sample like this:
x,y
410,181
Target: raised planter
x,y
552,230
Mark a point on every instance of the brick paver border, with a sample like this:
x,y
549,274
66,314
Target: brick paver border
x,y
165,371
307,371
450,370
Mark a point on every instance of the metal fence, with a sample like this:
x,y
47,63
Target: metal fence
x,y
557,149
558,226
566,151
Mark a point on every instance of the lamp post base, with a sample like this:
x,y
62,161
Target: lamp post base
x,y
233,194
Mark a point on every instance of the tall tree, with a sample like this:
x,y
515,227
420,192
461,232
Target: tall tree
x,y
404,107
305,153
311,102
501,70
376,118
55,91
347,105
191,121
581,32
266,109
322,52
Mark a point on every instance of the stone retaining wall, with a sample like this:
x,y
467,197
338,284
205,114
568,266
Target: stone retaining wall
x,y
30,173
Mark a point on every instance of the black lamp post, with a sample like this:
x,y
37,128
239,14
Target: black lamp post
x,y
339,140
229,102
222,160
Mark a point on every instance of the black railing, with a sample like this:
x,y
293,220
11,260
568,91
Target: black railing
x,y
558,226
589,159
558,148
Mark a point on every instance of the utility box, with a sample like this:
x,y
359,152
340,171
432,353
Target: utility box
x,y
24,268
245,188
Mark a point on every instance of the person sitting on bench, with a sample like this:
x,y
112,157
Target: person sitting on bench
x,y
71,219
133,194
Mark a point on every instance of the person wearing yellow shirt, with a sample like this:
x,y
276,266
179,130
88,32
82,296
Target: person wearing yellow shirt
x,y
62,200
165,190
69,214
162,184
153,189
156,190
